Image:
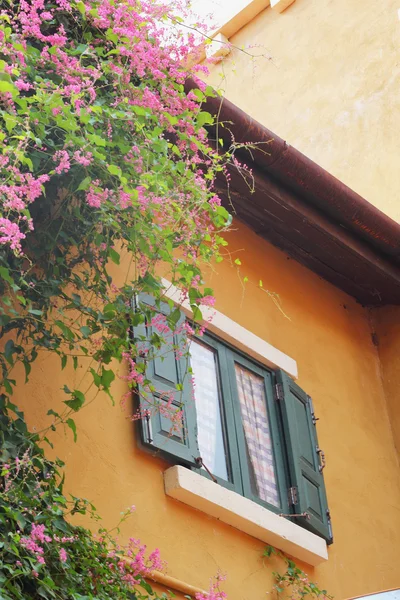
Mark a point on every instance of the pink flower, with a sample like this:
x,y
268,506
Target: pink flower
x,y
10,234
64,165
207,301
214,592
22,85
96,197
84,160
63,555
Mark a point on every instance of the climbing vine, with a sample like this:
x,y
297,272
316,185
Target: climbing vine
x,y
294,582
107,182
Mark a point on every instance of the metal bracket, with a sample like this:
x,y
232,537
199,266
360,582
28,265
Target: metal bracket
x,y
279,391
199,461
292,496
305,516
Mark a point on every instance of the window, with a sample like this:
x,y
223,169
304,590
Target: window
x,y
248,428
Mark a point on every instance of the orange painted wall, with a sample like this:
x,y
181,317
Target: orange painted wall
x,y
329,335
387,326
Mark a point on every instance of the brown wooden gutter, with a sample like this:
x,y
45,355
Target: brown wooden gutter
x,y
311,215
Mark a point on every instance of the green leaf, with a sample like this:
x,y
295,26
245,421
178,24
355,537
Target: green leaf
x,y
107,377
111,36
173,318
97,140
10,120
77,401
68,333
27,367
96,378
6,86
84,184
114,170
71,425
81,7
204,118
5,274
113,254
86,331
9,350
52,412
197,316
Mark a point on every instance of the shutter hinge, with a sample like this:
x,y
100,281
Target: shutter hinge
x,y
328,515
149,432
313,417
292,496
279,391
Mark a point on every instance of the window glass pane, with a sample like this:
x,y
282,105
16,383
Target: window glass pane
x,y
209,421
253,408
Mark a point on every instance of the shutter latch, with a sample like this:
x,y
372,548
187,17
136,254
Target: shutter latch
x,y
292,496
279,391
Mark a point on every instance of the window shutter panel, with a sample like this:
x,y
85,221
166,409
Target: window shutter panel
x,y
304,465
158,431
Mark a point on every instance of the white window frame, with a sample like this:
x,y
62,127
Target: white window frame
x,y
236,335
215,500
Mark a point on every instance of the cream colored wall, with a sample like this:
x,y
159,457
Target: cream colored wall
x,y
329,335
331,88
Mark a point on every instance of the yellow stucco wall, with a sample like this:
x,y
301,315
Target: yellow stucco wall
x,y
331,88
329,335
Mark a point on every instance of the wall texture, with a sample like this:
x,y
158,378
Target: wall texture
x,y
330,337
331,88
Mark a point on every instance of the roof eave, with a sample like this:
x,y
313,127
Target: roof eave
x,y
311,215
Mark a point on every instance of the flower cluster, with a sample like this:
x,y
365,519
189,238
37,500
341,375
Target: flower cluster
x,y
214,593
134,58
40,545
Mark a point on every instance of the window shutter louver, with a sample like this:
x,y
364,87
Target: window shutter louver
x,y
308,493
179,440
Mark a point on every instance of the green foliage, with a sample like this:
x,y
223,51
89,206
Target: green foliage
x,y
42,553
107,179
294,582
122,177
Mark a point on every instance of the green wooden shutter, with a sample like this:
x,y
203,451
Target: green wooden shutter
x,y
308,493
166,374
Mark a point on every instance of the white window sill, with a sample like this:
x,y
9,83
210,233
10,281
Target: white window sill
x,y
243,514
